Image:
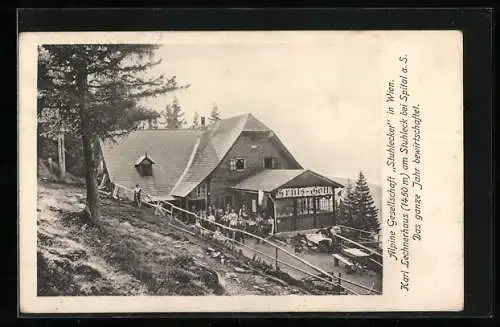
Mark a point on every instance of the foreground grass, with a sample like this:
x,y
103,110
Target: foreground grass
x,y
131,252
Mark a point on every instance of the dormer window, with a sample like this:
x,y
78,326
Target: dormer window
x,y
271,163
144,165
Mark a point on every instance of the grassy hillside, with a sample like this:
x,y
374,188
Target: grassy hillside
x,y
131,252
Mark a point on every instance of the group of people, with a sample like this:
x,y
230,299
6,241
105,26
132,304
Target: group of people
x,y
239,220
236,221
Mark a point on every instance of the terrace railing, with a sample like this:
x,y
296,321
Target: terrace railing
x,y
250,244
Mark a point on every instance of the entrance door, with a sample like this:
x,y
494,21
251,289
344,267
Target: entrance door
x,y
305,215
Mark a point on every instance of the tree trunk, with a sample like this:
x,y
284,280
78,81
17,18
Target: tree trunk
x,y
88,142
93,203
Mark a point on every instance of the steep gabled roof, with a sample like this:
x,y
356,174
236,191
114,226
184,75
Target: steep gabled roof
x,y
224,133
214,146
183,158
201,166
171,150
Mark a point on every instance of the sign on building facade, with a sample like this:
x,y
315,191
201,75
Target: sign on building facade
x,y
298,192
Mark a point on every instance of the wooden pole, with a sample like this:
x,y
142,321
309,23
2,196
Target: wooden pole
x,y
277,267
334,222
60,149
115,191
63,152
208,198
295,215
275,215
59,157
314,210
103,181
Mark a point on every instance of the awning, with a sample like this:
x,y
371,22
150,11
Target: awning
x,y
270,180
163,198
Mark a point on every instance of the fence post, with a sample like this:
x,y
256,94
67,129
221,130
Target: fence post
x,y
115,191
276,263
103,181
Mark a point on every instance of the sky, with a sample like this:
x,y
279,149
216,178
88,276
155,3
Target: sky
x,y
323,97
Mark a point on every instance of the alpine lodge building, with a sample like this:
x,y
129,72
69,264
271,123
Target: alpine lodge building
x,y
233,162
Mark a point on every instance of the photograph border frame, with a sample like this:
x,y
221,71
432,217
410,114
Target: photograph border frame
x,y
478,94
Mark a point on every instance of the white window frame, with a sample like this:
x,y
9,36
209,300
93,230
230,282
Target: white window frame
x,y
233,164
325,204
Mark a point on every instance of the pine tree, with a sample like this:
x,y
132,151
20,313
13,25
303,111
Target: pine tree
x,y
346,206
195,124
340,211
174,116
92,90
214,114
365,215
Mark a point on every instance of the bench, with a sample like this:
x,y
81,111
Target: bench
x,y
348,263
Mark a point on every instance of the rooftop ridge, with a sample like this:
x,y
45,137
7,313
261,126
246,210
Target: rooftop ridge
x,y
188,166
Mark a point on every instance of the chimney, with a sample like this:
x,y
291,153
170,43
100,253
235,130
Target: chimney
x,y
202,121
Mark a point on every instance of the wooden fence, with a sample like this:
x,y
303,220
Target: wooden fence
x,y
174,215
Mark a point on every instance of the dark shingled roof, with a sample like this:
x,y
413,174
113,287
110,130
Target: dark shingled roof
x,y
214,145
170,148
183,158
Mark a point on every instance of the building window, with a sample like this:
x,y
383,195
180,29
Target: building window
x,y
237,164
325,204
201,191
270,163
146,169
144,166
305,206
285,208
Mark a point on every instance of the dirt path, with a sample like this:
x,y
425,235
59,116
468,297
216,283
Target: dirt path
x,y
131,253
